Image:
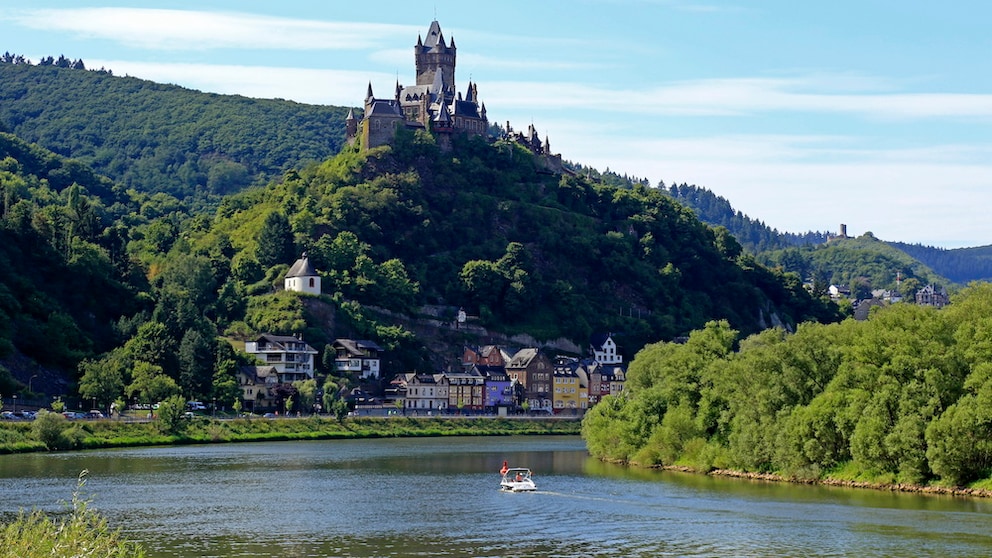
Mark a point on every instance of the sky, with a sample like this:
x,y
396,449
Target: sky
x,y
804,115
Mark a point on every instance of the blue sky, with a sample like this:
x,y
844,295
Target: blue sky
x,y
804,115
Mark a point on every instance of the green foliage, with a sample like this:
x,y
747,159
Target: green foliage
x,y
170,417
862,264
280,313
904,396
49,429
163,138
150,385
80,532
275,241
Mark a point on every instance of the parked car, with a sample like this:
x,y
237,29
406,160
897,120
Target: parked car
x,y
94,414
73,415
196,406
7,415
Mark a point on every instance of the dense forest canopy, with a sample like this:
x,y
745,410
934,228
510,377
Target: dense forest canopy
x,y
905,396
862,264
162,138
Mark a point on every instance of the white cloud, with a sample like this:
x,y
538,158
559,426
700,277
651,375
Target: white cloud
x,y
724,97
159,29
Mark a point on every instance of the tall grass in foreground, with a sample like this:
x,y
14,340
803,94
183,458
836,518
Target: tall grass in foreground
x,y
81,533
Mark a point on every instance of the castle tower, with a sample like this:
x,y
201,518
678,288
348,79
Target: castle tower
x,y
432,55
351,127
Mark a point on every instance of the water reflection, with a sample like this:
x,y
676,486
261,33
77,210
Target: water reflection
x,y
439,497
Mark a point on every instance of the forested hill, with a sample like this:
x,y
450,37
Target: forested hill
x,y
755,236
132,277
163,138
961,265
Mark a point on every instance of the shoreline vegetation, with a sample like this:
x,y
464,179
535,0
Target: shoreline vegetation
x,y
959,491
50,432
900,401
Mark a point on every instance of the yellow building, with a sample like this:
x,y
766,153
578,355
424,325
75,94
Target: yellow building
x,y
567,392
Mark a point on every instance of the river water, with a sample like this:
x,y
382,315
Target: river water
x,y
440,497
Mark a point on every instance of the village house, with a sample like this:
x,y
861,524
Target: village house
x,y
932,295
466,390
257,385
567,389
533,369
423,392
488,355
358,357
291,357
499,391
605,350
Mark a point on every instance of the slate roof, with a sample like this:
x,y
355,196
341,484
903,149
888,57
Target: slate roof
x,y
302,268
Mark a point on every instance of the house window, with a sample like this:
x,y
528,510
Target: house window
x,y
311,282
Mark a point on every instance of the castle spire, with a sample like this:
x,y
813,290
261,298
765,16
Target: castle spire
x,y
369,94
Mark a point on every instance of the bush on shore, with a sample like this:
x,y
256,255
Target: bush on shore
x,y
82,532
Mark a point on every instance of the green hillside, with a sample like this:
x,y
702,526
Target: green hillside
x,y
138,278
163,138
863,264
961,265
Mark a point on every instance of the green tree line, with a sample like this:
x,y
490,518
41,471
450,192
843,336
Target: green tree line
x,y
904,397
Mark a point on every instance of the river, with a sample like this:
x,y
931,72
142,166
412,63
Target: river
x,y
440,497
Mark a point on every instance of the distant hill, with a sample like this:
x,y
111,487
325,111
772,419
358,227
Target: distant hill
x,y
163,138
755,236
772,247
961,265
863,264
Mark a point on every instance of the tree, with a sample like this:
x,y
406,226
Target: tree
x,y
275,241
196,364
172,415
102,380
150,384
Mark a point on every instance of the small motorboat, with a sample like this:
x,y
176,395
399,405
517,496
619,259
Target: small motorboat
x,y
516,479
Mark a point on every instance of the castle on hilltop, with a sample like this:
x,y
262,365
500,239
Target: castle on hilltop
x,y
435,106
432,104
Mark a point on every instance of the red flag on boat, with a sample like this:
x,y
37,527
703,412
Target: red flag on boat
x,y
504,469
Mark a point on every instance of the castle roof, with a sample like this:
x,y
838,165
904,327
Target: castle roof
x,y
434,36
384,107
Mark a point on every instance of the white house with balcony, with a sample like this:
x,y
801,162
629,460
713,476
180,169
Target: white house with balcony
x,y
290,356
357,356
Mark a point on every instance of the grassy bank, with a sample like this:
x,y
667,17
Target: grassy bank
x,y
17,437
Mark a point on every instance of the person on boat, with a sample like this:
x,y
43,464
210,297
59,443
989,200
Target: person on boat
x,y
504,469
520,477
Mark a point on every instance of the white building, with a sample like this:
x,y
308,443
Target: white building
x,y
290,356
357,356
302,277
604,349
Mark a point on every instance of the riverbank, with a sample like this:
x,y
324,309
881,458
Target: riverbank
x,y
20,437
977,492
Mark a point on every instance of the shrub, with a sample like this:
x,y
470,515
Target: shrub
x,y
82,532
49,429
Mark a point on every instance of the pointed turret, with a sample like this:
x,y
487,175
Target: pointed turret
x,y
368,95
